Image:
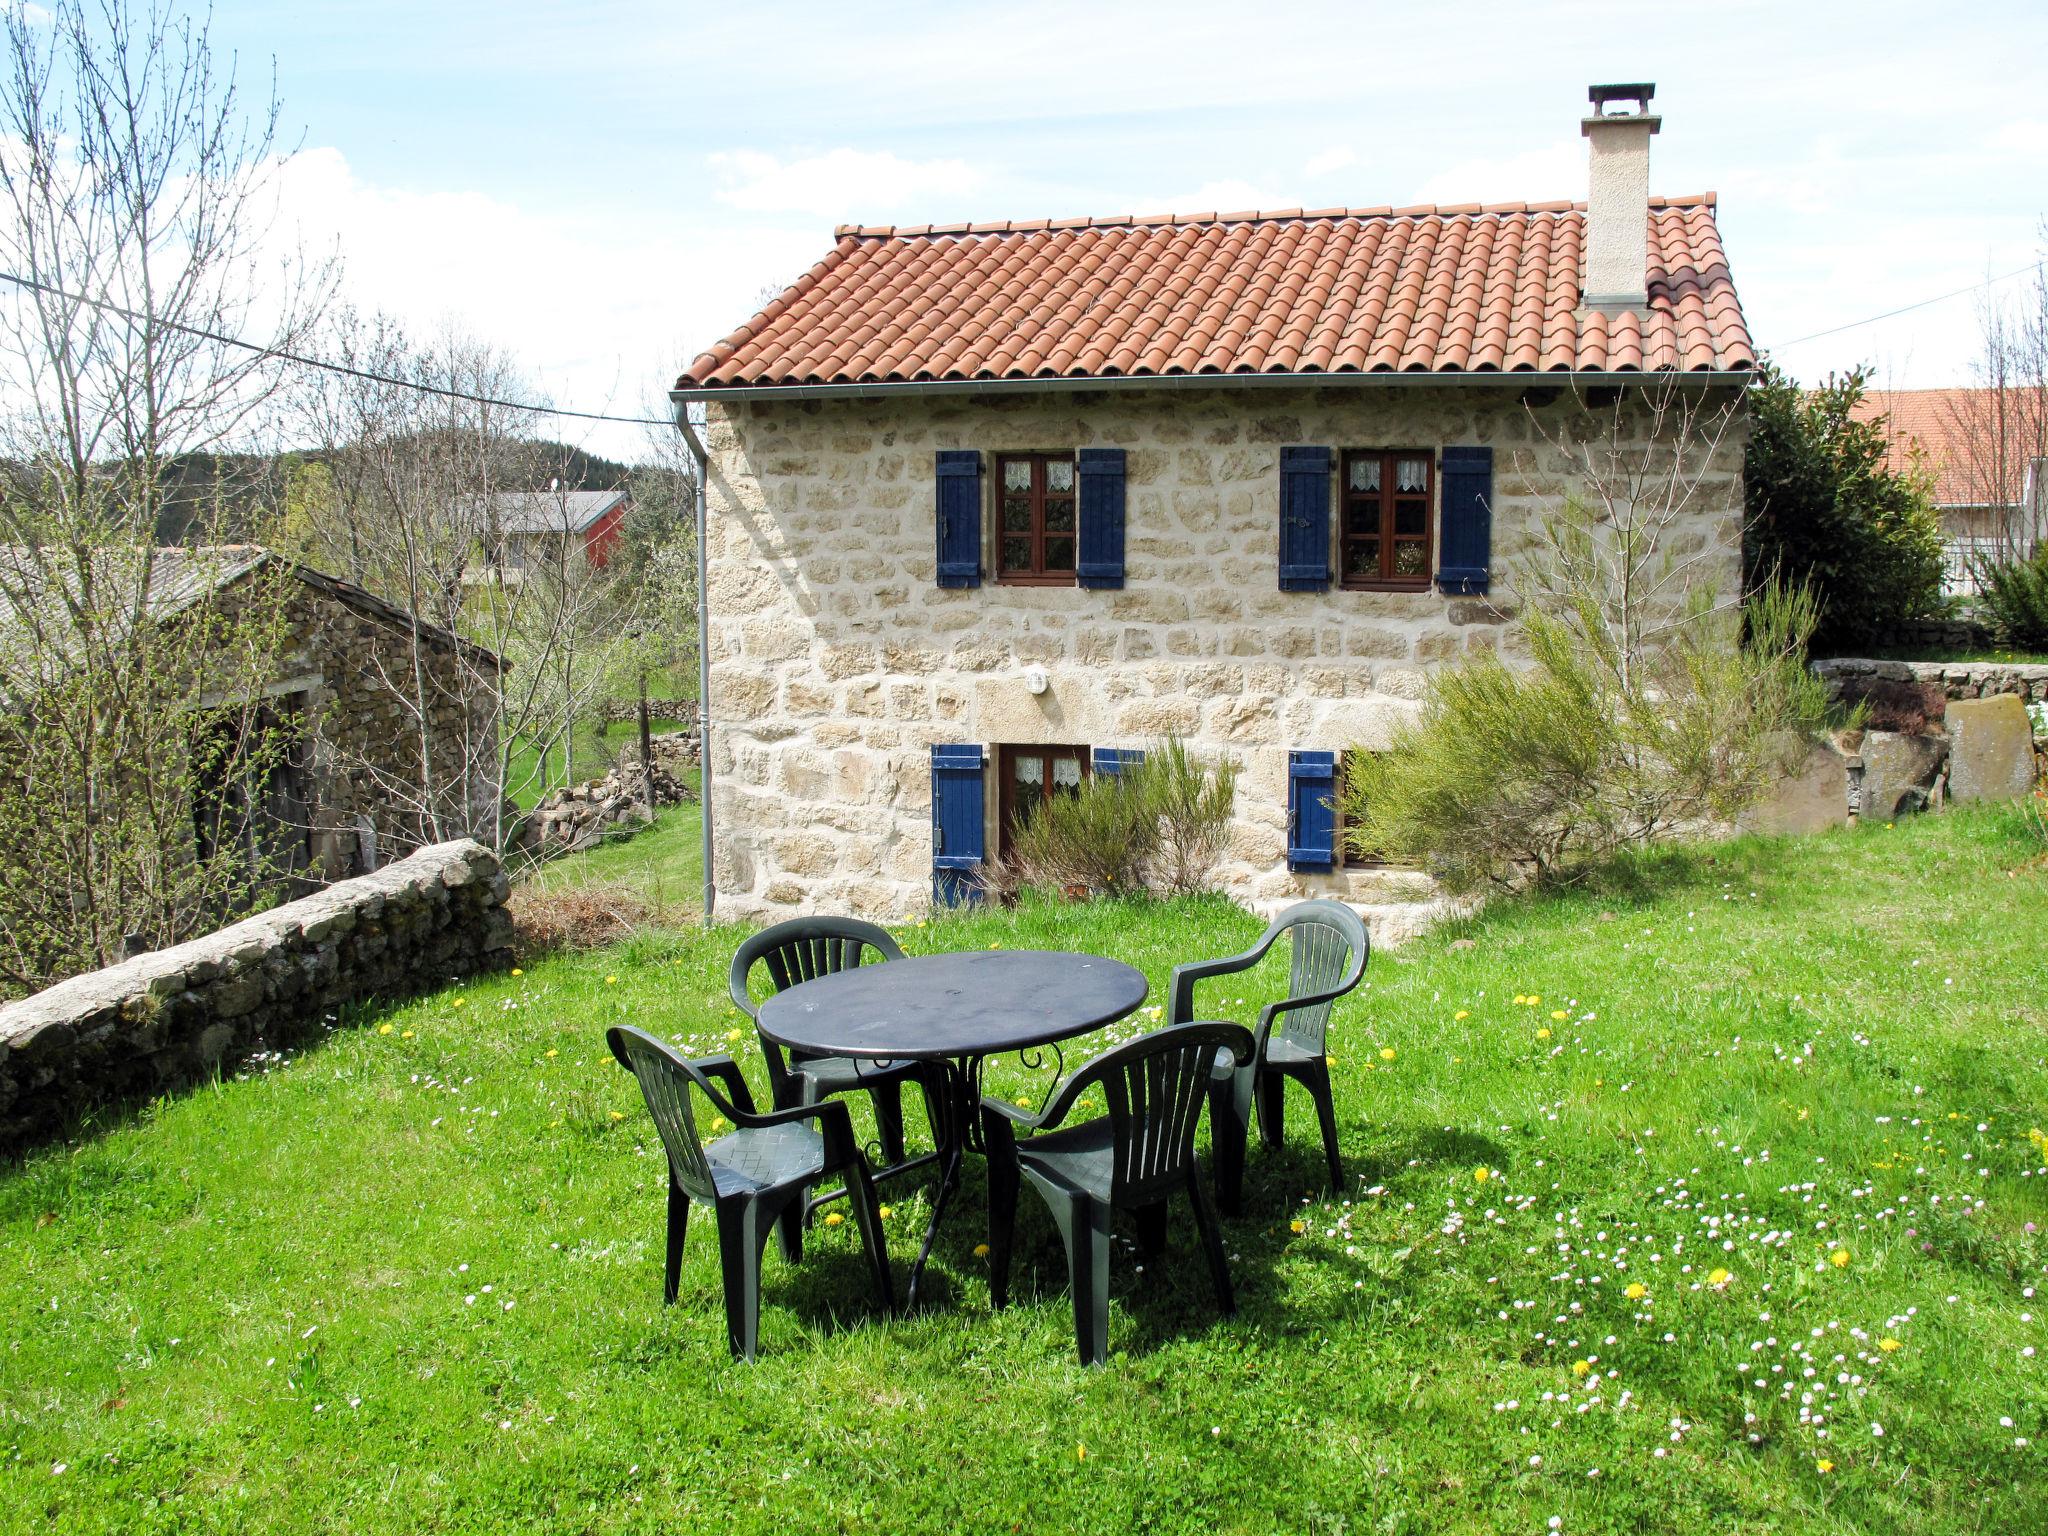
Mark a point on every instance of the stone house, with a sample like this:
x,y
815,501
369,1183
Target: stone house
x,y
990,507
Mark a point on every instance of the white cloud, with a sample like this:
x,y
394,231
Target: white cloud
x,y
1540,174
601,314
1335,158
839,184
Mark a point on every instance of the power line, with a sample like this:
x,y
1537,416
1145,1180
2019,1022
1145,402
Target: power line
x,y
323,364
1989,282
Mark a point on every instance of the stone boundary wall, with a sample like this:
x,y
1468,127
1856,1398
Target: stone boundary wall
x,y
624,711
161,1019
580,816
1957,634
1955,679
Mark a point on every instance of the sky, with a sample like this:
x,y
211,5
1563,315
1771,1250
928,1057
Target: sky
x,y
604,189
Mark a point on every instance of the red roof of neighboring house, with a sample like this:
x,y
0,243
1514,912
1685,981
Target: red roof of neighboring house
x,y
1342,290
1958,430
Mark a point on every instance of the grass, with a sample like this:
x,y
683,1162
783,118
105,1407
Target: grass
x,y
663,865
409,1279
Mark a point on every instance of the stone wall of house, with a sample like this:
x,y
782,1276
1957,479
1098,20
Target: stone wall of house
x,y
837,662
271,981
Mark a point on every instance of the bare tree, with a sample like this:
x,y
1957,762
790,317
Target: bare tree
x,y
137,196
420,466
2000,429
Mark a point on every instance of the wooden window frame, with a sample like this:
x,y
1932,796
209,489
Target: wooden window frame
x,y
1036,575
1384,580
1006,794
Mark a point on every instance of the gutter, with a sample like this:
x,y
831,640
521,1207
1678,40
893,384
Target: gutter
x,y
703,459
877,390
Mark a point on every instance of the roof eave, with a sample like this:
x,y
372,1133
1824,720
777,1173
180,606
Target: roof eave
x,y
1497,379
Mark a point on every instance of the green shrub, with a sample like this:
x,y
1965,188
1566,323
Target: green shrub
x,y
1826,511
1513,774
1161,824
2012,599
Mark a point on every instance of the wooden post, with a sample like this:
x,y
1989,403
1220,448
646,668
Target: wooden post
x,y
646,750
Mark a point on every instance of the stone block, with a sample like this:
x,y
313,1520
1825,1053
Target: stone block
x,y
1899,773
1991,749
1812,797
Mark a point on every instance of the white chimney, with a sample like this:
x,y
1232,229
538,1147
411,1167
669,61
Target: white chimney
x,y
1618,205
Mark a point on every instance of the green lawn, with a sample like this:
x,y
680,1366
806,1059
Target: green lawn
x,y
409,1280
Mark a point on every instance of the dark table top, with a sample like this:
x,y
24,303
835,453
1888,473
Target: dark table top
x,y
971,1003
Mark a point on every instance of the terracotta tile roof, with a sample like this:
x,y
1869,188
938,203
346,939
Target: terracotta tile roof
x,y
1959,432
1335,290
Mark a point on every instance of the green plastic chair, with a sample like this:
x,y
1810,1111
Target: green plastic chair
x,y
1131,1159
1329,947
754,1176
797,951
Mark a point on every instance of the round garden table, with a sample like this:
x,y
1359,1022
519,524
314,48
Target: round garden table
x,y
953,1012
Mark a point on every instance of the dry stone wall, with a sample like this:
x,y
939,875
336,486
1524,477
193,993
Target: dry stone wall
x,y
278,978
837,662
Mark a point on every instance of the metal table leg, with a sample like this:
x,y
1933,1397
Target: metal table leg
x,y
952,1095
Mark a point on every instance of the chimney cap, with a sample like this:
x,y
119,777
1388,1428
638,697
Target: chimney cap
x,y
1639,93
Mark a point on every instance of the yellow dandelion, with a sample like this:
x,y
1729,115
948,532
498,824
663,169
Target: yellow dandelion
x,y
1080,1453
1719,1279
886,1211
611,981
1386,1053
1888,1345
995,946
718,1123
1839,1258
980,1249
1462,1013
732,1034
552,1053
459,1002
1558,1014
617,1116
517,972
1535,998
1520,999
1329,1061
833,1219
1481,1175
1636,1290
1544,1033
1582,1367
405,1034
1154,1013
385,1029
1824,1466
1297,1226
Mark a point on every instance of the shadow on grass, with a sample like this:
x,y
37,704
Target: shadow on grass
x,y
1156,1302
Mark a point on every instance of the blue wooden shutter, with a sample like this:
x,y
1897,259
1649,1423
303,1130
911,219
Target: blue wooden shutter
x,y
958,836
1467,520
1305,519
1101,564
959,504
1312,810
1112,761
